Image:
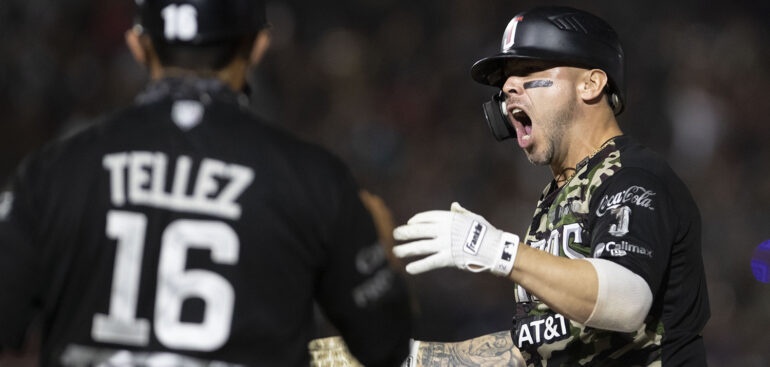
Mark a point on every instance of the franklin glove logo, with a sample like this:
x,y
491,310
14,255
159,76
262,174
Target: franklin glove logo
x,y
475,236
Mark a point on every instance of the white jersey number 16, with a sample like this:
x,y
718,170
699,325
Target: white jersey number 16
x,y
175,284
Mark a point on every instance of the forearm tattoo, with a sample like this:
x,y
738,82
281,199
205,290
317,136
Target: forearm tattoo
x,y
489,350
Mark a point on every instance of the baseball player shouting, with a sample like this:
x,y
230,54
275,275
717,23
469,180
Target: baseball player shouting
x,y
610,271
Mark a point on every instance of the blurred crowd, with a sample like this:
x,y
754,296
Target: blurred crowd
x,y
385,84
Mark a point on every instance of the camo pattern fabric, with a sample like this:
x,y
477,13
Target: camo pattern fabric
x,y
560,227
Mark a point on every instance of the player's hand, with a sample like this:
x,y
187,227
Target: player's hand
x,y
456,238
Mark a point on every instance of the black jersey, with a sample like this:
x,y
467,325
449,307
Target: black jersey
x,y
184,231
624,205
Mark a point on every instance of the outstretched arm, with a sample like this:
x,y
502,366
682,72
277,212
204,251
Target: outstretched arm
x,y
610,296
466,240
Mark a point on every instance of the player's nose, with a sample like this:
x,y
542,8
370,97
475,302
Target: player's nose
x,y
513,86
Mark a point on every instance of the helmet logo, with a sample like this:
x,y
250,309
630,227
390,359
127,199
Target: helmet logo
x,y
510,32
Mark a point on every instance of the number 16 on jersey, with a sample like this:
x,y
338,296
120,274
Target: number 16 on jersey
x,y
175,284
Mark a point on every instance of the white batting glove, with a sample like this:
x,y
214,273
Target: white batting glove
x,y
456,238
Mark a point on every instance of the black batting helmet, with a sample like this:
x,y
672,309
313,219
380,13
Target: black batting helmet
x,y
560,34
199,22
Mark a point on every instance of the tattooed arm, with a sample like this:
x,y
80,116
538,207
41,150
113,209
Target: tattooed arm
x,y
495,349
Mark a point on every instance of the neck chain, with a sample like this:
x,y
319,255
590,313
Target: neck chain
x,y
562,177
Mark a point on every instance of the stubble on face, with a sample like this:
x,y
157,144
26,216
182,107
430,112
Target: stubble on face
x,y
551,130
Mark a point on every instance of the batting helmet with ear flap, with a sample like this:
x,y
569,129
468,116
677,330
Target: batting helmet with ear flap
x,y
560,34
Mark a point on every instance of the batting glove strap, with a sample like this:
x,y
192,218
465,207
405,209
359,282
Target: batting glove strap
x,y
478,246
510,247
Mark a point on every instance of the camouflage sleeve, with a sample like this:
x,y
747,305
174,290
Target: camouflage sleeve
x,y
633,224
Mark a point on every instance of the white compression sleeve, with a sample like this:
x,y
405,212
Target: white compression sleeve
x,y
623,300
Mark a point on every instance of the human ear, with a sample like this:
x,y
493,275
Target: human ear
x,y
592,85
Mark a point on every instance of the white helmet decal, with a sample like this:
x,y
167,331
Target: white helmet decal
x,y
509,35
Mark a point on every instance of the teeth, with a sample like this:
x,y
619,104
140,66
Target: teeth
x,y
526,137
516,110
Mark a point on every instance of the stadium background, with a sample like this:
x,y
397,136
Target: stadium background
x,y
385,84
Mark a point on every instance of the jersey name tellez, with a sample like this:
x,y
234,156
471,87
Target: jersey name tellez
x,y
139,177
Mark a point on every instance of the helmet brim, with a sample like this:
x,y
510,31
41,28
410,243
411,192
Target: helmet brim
x,y
490,70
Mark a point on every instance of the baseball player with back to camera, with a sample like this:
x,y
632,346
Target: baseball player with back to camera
x,y
184,231
610,271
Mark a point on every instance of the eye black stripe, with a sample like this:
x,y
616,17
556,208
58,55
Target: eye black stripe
x,y
538,84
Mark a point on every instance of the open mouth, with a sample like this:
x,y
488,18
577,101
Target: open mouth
x,y
522,123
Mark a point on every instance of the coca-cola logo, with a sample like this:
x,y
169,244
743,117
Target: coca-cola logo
x,y
636,195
